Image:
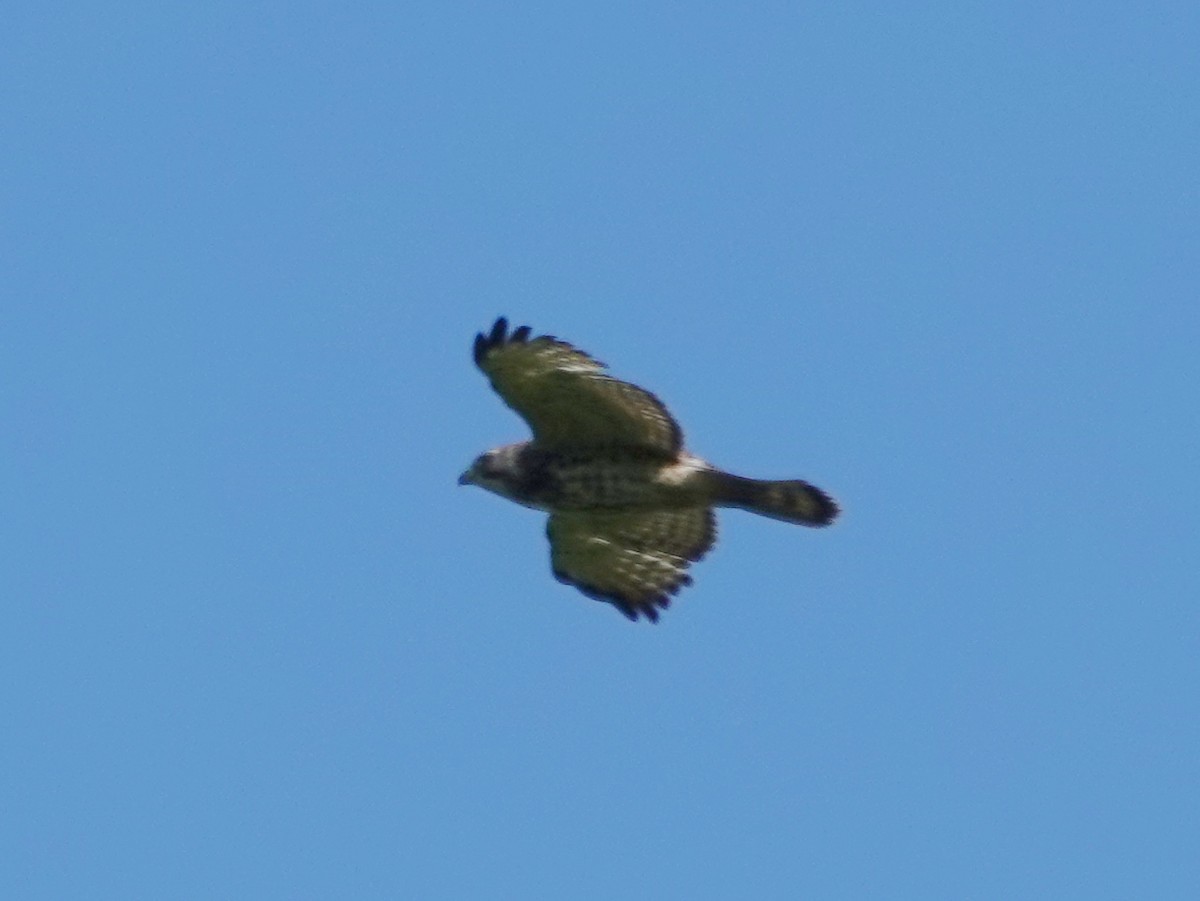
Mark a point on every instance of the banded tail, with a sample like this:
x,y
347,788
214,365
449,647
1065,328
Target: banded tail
x,y
791,501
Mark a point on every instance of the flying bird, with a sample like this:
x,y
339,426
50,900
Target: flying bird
x,y
630,509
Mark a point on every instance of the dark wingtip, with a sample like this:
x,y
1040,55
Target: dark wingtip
x,y
499,330
496,336
649,607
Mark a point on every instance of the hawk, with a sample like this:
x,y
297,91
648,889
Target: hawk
x,y
630,509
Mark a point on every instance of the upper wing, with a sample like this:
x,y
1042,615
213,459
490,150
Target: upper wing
x,y
566,396
633,560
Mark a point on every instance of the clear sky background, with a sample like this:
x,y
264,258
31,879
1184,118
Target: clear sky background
x,y
942,261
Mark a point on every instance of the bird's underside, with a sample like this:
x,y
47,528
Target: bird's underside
x,y
630,510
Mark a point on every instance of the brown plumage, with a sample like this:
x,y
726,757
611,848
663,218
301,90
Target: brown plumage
x,y
630,509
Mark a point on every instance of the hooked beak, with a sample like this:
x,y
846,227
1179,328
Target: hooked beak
x,y
465,478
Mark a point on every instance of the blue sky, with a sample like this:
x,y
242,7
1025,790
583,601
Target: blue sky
x,y
942,261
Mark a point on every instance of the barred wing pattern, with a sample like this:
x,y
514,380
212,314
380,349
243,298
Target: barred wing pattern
x,y
568,399
633,560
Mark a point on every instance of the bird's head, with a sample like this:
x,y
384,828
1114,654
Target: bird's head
x,y
495,470
480,471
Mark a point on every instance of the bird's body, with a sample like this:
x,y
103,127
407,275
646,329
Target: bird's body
x,y
606,478
629,508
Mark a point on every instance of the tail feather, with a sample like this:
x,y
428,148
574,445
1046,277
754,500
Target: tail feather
x,y
792,500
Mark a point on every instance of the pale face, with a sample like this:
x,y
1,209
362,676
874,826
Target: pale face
x,y
486,469
495,471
